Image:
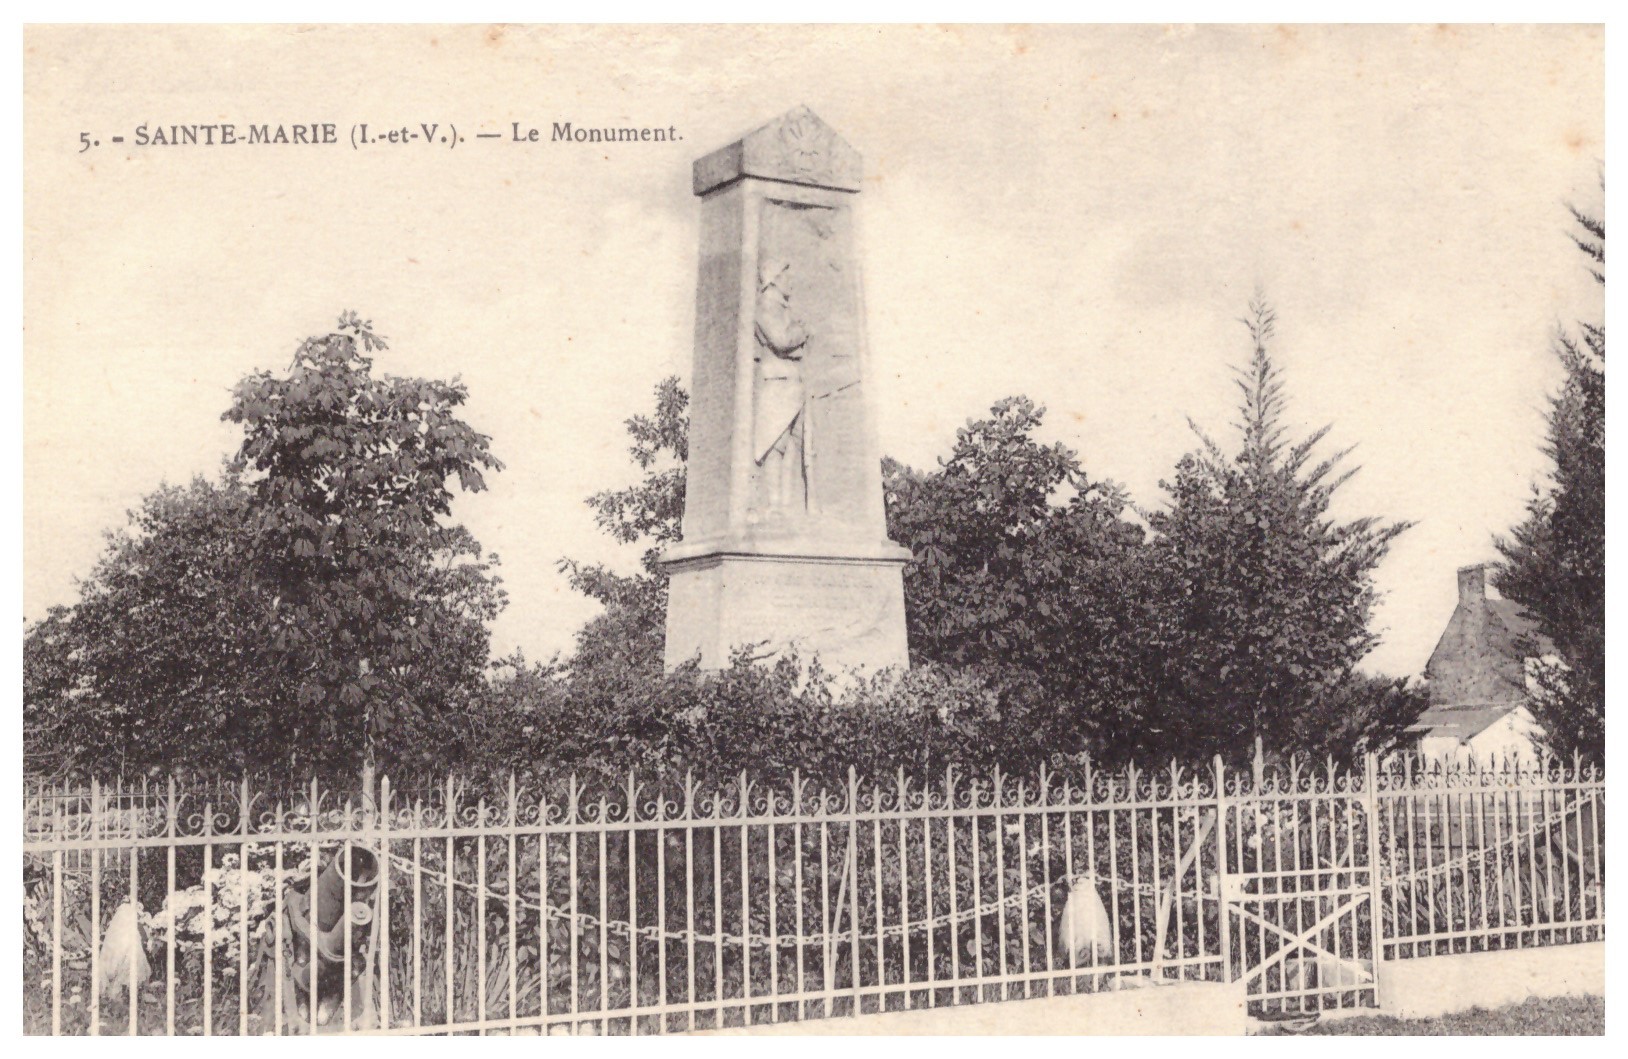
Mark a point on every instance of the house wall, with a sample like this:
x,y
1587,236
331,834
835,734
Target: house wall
x,y
1514,736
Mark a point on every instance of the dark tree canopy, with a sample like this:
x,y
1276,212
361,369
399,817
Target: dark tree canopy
x,y
1269,596
1554,561
1022,560
314,609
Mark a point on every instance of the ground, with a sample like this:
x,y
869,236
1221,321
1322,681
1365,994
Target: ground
x,y
1567,1016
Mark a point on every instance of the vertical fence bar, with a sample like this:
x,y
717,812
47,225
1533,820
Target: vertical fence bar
x,y
415,946
977,895
999,831
1117,954
95,924
243,911
58,942
746,907
1023,888
1376,930
545,962
381,955
930,905
853,877
797,876
480,836
881,920
826,924
347,857
135,910
513,827
1221,886
955,885
689,895
904,891
1070,943
172,814
632,906
774,921
1045,863
450,814
661,912
1596,837
718,918
277,919
604,922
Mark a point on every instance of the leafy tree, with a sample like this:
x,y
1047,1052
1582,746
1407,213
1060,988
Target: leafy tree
x,y
379,616
630,632
156,663
1554,561
1267,597
1022,560
48,683
312,610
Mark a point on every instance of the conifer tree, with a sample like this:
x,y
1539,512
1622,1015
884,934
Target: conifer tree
x,y
1268,597
1554,561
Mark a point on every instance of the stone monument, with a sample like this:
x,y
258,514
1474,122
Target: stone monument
x,y
784,537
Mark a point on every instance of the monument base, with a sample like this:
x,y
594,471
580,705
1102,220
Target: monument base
x,y
848,611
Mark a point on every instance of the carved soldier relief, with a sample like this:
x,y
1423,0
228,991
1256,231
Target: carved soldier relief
x,y
779,413
805,415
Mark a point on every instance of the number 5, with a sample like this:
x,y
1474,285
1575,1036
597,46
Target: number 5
x,y
84,142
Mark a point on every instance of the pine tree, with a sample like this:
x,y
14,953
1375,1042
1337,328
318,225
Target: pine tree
x,y
1554,561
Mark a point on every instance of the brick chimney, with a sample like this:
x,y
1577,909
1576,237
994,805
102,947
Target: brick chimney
x,y
1472,583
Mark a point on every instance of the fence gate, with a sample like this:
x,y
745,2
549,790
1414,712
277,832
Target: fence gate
x,y
1298,892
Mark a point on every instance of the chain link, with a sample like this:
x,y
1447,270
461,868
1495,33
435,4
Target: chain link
x,y
586,920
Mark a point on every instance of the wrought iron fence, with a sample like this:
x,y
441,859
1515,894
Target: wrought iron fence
x,y
668,907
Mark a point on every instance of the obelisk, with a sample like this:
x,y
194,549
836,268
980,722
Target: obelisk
x,y
784,536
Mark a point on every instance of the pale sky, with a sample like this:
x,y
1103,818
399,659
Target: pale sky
x,y
1078,214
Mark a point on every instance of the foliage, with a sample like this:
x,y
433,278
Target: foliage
x,y
629,633
1554,561
1022,560
380,615
1268,597
156,663
766,721
1031,574
311,609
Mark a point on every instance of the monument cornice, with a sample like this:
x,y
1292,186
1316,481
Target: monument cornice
x,y
795,148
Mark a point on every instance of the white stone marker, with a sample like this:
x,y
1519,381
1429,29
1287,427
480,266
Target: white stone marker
x,y
785,540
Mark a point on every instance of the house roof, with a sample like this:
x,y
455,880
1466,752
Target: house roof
x,y
1462,722
1520,625
1477,672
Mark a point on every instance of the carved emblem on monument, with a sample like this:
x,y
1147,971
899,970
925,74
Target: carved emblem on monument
x,y
806,141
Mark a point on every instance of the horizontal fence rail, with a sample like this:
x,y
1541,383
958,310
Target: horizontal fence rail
x,y
655,908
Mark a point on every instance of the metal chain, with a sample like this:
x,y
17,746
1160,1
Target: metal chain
x,y
1387,875
589,921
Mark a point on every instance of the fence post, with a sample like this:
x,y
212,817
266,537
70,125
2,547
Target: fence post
x,y
1221,889
1376,889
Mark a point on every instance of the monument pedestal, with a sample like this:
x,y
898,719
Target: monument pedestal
x,y
846,608
785,535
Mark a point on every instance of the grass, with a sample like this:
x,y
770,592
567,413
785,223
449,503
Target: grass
x,y
1556,1016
